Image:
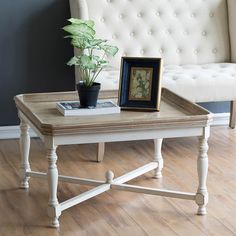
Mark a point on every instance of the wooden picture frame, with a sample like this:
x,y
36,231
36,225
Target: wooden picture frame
x,y
140,83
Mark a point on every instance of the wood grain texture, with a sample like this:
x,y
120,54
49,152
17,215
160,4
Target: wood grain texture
x,y
41,110
23,212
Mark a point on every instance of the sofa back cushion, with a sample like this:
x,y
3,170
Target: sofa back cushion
x,y
180,31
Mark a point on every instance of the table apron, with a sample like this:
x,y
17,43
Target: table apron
x,y
128,135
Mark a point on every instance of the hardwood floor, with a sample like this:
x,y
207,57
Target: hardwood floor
x,y
122,213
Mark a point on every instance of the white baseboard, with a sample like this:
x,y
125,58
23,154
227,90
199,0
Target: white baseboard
x,y
10,132
220,119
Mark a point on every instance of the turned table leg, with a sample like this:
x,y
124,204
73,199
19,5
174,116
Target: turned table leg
x,y
24,149
202,168
52,175
158,158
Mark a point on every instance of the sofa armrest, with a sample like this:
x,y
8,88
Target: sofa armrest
x,y
232,27
79,9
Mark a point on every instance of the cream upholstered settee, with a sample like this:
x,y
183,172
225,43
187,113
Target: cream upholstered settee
x,y
196,39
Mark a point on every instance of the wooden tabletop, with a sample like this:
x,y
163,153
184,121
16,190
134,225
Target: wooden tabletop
x,y
175,111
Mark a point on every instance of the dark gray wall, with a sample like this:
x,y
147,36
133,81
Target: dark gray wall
x,y
216,107
33,53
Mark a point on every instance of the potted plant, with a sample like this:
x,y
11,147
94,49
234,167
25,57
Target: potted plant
x,y
91,59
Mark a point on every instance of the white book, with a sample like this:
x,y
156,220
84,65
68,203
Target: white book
x,y
72,108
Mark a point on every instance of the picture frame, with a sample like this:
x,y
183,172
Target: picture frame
x,y
140,83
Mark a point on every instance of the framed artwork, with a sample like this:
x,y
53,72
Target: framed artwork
x,y
140,83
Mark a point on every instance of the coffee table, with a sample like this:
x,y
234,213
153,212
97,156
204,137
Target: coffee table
x,y
178,118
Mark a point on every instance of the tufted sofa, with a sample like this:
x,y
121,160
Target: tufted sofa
x,y
196,38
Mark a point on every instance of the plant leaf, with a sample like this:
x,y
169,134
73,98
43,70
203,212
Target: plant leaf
x,y
109,49
78,42
87,62
81,30
89,23
73,61
96,42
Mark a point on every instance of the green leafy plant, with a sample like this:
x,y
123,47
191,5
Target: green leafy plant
x,y
89,61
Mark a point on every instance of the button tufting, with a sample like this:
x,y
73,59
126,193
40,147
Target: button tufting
x,y
121,16
193,15
175,14
102,19
178,50
186,32
150,32
214,50
196,51
204,33
211,14
142,51
132,34
140,14
114,36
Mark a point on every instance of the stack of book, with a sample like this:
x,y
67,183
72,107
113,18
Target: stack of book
x,y
73,108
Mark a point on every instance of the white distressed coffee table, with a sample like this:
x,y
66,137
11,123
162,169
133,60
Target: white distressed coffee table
x,y
177,118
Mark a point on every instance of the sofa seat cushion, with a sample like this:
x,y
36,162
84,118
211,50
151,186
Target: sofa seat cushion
x,y
190,81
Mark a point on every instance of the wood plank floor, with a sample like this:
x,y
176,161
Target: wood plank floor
x,y
122,213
